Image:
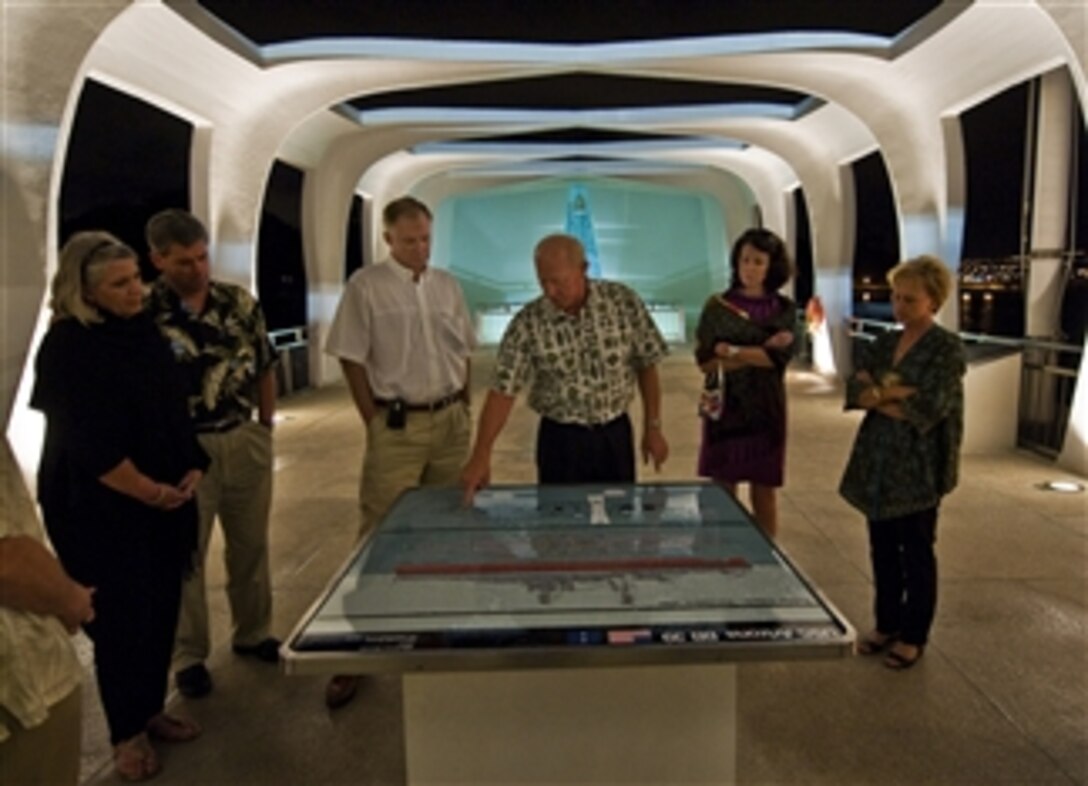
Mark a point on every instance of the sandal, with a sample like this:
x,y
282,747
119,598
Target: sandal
x,y
874,642
170,728
135,760
897,661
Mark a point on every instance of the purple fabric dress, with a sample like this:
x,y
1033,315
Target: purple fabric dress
x,y
759,457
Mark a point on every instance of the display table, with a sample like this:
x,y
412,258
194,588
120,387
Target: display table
x,y
573,634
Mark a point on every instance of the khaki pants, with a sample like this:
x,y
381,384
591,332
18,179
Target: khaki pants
x,y
47,755
430,450
238,490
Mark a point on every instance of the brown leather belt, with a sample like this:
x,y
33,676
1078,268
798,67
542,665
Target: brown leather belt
x,y
434,406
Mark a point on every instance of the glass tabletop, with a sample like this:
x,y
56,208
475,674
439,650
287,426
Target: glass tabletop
x,y
566,566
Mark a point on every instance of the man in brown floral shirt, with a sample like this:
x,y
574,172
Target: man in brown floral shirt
x,y
218,334
581,349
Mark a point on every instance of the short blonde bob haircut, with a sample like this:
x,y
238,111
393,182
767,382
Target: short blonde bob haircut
x,y
928,271
82,261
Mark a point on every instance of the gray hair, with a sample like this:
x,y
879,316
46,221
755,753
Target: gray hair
x,y
82,261
404,207
569,245
171,226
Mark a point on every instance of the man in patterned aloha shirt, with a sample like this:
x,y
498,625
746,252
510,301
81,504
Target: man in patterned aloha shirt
x,y
218,334
580,349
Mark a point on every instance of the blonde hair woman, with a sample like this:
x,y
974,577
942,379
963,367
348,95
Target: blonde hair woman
x,y
906,456
118,471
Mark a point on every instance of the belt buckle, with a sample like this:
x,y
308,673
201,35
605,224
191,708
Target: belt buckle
x,y
219,426
443,402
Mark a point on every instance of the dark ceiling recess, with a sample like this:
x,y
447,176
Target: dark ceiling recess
x,y
571,136
578,91
558,21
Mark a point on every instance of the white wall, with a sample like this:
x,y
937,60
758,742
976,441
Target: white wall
x,y
43,50
992,393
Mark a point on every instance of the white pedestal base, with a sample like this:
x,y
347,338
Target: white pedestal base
x,y
638,724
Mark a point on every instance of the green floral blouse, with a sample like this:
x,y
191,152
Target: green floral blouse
x,y
898,467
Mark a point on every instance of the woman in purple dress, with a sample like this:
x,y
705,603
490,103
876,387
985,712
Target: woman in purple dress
x,y
746,335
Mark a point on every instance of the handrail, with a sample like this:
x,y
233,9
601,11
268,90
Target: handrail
x,y
978,338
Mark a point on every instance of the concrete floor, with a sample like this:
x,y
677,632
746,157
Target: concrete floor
x,y
1000,698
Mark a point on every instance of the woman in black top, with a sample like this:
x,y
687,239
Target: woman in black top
x,y
117,481
746,334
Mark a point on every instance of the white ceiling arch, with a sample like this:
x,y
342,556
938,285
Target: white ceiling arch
x,y
255,100
898,98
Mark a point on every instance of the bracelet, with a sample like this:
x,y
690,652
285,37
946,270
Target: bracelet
x,y
653,424
878,393
733,351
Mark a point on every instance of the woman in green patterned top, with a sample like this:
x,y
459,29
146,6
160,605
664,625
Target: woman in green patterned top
x,y
906,455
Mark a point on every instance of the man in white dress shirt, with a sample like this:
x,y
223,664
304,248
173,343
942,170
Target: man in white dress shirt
x,y
403,335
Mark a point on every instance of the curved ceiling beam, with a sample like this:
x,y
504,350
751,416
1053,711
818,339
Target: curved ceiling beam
x,y
903,101
572,55
252,112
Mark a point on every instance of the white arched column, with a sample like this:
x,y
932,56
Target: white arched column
x,y
44,57
1054,143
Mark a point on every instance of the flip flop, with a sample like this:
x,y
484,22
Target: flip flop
x,y
897,661
170,728
135,760
875,643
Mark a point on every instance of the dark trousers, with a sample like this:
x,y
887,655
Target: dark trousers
x,y
133,634
905,574
137,580
570,453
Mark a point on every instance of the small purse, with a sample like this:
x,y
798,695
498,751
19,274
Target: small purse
x,y
712,397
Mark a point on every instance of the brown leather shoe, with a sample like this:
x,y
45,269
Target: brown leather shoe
x,y
340,690
267,650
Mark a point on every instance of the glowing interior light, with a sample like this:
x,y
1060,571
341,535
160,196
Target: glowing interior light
x,y
1062,486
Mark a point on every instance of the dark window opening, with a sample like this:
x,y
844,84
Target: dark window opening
x,y
126,160
353,249
876,241
281,272
995,135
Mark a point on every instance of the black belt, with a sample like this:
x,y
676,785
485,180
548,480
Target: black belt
x,y
434,406
219,426
585,426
